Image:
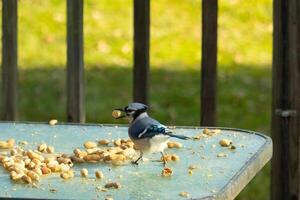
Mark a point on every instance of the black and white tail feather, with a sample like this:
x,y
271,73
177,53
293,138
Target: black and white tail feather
x,y
153,130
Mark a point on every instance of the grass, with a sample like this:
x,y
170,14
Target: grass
x,y
244,57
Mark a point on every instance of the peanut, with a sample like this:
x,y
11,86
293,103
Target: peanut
x,y
13,152
50,149
26,179
225,142
184,194
55,168
45,170
42,147
52,122
64,175
84,172
166,158
114,185
99,174
50,159
64,160
93,150
27,161
34,176
31,165
38,171
67,174
92,158
107,157
221,155
175,157
129,153
117,159
116,113
37,162
64,167
117,142
80,154
33,155
211,132
16,176
167,171
3,145
174,145
103,142
90,145
11,143
77,159
16,169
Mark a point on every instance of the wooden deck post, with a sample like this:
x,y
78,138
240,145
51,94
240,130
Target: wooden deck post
x,y
9,59
209,62
286,100
141,50
75,66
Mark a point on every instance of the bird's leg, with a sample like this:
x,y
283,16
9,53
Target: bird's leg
x,y
136,161
163,158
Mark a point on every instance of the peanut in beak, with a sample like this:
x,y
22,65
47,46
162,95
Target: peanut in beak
x,y
117,113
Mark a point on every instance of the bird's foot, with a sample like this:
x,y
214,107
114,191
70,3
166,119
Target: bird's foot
x,y
134,162
164,163
163,159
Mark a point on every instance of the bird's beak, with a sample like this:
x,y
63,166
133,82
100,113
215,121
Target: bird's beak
x,y
118,113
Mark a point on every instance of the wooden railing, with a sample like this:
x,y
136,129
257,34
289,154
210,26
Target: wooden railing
x,y
9,59
286,100
286,76
75,59
75,68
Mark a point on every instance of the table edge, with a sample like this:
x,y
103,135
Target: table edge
x,y
246,174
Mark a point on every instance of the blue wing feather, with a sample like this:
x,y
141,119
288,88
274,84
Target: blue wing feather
x,y
153,130
148,128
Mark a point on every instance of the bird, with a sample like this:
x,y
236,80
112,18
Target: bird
x,y
148,134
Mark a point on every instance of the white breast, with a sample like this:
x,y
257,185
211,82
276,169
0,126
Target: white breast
x,y
156,144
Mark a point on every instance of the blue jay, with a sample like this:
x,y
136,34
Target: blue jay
x,y
148,135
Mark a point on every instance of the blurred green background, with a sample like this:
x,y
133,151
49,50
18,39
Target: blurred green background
x,y
244,64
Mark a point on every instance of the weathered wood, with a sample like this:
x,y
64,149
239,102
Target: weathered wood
x,y
75,65
286,100
9,59
141,50
209,62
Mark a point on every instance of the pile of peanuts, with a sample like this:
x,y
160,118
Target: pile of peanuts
x,y
119,153
7,144
28,166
